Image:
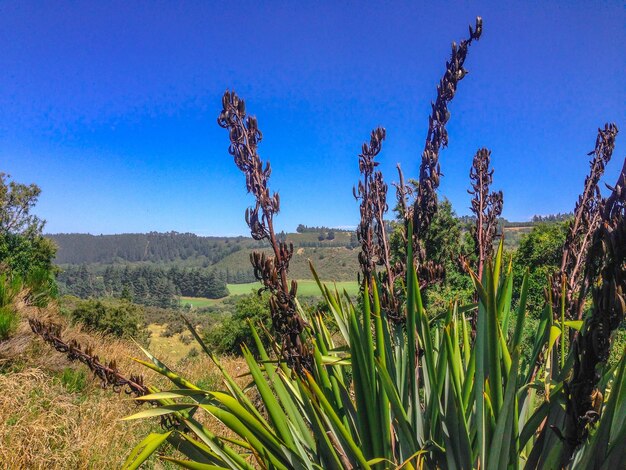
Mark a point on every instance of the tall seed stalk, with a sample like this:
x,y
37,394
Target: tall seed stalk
x,y
587,218
245,137
425,204
372,230
486,206
605,271
370,196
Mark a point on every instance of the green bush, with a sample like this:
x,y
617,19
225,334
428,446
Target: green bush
x,y
8,322
118,318
24,253
42,286
74,380
10,287
234,332
539,253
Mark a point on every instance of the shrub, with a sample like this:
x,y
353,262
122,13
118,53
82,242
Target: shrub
x,y
118,318
8,322
193,352
74,380
42,286
234,332
540,253
10,287
186,339
173,328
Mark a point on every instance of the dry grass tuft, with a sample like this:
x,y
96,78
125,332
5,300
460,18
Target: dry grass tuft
x,y
44,424
47,427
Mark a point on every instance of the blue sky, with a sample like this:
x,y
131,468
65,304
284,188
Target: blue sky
x,y
111,107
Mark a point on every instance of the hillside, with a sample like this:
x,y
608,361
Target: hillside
x,y
79,248
331,263
334,259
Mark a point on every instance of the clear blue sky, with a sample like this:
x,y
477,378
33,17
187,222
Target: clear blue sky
x,y
111,106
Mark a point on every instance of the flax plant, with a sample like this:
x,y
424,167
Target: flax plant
x,y
453,405
416,394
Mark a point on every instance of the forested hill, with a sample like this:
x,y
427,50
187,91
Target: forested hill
x,y
333,252
81,248
155,268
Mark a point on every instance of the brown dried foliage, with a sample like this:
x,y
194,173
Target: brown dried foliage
x,y
587,218
245,137
605,270
487,206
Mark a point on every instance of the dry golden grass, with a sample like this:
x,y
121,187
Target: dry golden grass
x,y
45,425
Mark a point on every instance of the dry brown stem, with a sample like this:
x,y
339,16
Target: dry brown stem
x,y
108,374
605,271
587,218
487,206
272,271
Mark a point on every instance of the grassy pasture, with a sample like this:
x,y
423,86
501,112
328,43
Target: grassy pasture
x,y
200,302
306,288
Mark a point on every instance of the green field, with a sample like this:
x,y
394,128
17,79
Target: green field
x,y
306,288
199,302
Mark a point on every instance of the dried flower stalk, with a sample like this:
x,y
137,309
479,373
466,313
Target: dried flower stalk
x,y
366,194
108,373
371,231
272,271
424,207
605,270
425,204
487,206
587,218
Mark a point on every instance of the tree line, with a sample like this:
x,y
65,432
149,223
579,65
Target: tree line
x,y
146,285
77,248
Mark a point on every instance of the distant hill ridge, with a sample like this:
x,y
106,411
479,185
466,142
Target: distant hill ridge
x,y
333,251
168,247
